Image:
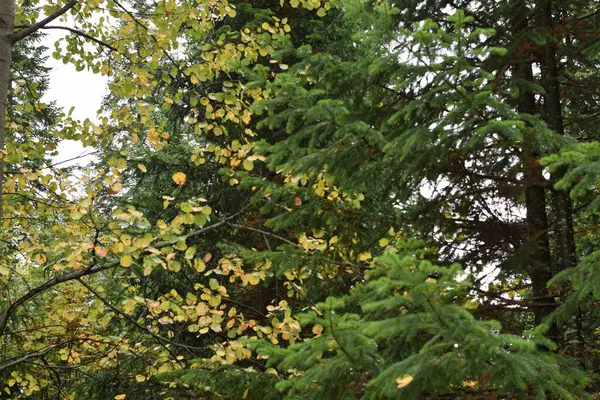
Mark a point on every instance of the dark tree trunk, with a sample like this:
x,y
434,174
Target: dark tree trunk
x,y
552,112
537,244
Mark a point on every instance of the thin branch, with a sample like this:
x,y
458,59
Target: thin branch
x,y
25,358
32,199
82,34
531,302
138,22
585,16
338,341
92,269
83,155
228,300
15,37
200,231
267,233
264,233
44,352
161,340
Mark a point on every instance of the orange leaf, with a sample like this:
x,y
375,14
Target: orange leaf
x,y
179,178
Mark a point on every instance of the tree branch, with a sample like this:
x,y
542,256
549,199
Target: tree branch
x,y
138,22
267,233
132,321
23,33
45,352
92,269
82,34
264,233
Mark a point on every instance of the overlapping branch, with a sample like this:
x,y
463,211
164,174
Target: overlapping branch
x,y
28,30
93,269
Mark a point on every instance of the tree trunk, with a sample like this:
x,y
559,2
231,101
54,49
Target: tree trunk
x,y
538,243
563,210
7,22
539,258
564,238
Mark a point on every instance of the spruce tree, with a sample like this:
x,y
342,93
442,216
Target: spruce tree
x,y
345,200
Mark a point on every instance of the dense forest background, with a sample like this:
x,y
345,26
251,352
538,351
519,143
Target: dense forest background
x,y
303,199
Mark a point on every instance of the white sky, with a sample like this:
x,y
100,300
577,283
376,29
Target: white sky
x,y
83,90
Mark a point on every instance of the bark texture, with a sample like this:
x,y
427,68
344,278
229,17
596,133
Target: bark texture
x,y
537,243
553,115
7,22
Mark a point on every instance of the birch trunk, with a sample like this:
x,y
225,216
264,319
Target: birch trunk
x,y
7,21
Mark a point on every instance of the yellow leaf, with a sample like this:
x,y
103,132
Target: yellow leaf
x,y
214,301
404,381
245,393
116,188
126,261
140,378
179,178
118,247
252,279
206,210
317,329
142,167
248,165
201,309
120,396
199,265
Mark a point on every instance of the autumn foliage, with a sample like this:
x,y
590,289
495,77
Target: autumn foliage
x,y
303,199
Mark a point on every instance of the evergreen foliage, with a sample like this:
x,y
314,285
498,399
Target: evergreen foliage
x,y
306,200
405,333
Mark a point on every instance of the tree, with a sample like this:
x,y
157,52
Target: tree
x,y
315,200
79,235
453,128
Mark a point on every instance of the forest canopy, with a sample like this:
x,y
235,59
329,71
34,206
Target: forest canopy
x,y
303,199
